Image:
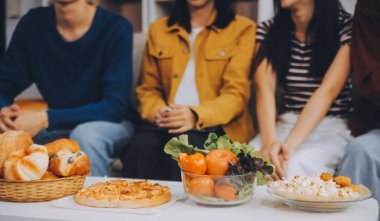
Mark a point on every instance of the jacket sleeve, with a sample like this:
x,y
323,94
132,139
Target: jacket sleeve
x,y
235,92
117,81
150,92
14,75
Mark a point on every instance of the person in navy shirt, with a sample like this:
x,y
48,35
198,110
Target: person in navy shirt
x,y
80,57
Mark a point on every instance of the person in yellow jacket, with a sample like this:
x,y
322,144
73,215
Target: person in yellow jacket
x,y
195,80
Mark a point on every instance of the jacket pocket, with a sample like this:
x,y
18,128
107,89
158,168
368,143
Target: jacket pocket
x,y
217,61
164,61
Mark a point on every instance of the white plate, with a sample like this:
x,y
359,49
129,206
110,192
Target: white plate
x,y
320,206
69,203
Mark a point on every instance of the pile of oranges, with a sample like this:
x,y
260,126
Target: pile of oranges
x,y
204,172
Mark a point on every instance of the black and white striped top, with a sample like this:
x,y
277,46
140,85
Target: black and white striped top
x,y
299,83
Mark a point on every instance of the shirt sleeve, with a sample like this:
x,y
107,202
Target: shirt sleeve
x,y
14,74
345,32
117,82
262,30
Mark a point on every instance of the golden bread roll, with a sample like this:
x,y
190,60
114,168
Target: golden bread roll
x,y
62,144
29,163
11,141
49,176
66,163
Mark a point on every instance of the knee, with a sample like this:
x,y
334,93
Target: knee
x,y
85,134
358,149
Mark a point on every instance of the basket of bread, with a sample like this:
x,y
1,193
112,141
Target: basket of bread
x,y
33,173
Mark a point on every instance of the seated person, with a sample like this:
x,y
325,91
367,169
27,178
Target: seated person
x,y
305,49
80,57
194,81
361,160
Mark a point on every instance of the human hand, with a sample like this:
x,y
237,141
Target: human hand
x,y
161,114
6,115
274,153
32,121
179,119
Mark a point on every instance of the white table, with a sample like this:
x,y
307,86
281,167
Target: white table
x,y
262,207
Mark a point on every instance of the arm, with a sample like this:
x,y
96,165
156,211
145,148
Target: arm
x,y
265,86
235,93
14,75
150,92
117,82
320,102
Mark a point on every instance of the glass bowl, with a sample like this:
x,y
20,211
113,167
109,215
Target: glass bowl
x,y
219,190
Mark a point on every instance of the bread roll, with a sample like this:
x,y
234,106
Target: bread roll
x,y
49,176
11,141
29,163
66,163
62,144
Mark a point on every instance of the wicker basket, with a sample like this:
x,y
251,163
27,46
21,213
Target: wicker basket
x,y
39,190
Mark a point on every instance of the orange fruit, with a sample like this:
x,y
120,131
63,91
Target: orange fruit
x,y
218,161
202,185
226,192
195,163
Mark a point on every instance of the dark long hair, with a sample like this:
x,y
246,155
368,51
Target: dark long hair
x,y
322,33
180,14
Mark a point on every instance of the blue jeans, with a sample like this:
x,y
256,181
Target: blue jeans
x,y
100,140
361,162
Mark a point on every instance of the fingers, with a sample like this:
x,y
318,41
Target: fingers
x,y
173,113
175,124
179,130
169,120
8,112
14,107
9,123
3,127
276,162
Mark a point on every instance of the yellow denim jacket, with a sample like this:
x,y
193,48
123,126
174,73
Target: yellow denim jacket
x,y
223,59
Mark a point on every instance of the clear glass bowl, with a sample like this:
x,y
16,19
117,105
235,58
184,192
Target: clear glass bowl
x,y
219,190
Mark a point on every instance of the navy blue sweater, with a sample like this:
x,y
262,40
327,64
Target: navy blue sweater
x,y
85,80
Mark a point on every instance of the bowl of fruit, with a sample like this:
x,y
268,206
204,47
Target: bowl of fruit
x,y
220,172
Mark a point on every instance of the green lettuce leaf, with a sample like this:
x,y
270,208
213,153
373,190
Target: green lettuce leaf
x,y
175,146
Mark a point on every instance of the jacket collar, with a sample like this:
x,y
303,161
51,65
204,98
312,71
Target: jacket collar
x,y
209,25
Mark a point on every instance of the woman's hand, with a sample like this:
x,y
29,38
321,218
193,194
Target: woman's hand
x,y
274,153
178,120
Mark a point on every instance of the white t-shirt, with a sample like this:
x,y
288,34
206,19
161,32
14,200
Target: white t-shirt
x,y
187,93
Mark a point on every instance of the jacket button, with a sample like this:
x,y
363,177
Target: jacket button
x,y
222,53
159,53
175,75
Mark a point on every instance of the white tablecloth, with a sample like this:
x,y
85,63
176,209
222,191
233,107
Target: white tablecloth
x,y
262,207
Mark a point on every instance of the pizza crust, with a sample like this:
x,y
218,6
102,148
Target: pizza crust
x,y
123,194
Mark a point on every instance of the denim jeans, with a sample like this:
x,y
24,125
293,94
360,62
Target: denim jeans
x,y
361,162
100,140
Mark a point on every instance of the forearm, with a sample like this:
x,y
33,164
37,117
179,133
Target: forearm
x,y
103,110
266,115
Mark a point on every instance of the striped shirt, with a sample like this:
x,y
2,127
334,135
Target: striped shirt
x,y
300,84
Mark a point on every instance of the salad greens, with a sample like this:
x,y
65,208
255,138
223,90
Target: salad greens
x,y
249,159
